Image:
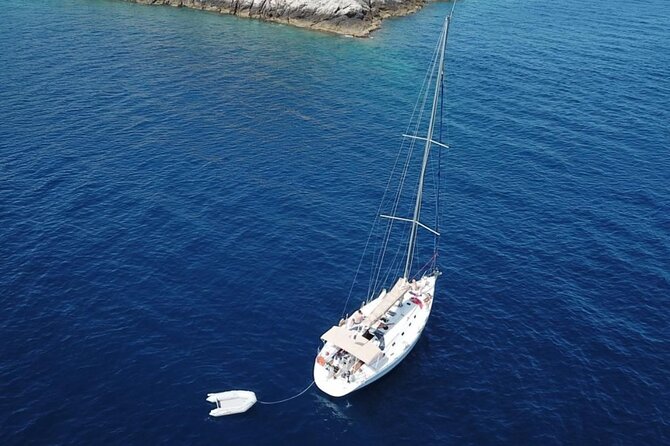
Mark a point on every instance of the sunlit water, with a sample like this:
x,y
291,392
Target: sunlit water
x,y
184,198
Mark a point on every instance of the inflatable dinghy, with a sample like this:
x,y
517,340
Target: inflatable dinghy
x,y
231,402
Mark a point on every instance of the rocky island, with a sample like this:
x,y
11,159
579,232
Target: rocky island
x,y
350,17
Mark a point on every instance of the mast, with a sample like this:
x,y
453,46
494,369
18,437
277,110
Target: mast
x,y
426,150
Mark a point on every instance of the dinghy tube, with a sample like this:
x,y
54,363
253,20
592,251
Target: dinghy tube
x,y
231,402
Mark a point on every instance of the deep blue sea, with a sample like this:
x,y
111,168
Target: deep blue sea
x,y
184,198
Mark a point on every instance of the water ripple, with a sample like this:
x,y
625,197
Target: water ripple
x,y
181,211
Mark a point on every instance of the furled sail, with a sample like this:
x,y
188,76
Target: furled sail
x,y
398,290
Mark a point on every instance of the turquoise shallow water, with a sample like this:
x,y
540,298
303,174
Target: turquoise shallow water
x,y
184,198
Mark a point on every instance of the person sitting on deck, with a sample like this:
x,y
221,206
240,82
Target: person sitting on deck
x,y
355,320
414,290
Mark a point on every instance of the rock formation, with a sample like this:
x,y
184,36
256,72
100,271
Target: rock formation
x,y
352,17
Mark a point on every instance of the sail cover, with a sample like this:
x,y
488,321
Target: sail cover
x,y
400,288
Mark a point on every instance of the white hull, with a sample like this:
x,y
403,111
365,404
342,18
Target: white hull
x,y
405,320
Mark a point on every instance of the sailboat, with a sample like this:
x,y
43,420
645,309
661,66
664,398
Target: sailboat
x,y
369,343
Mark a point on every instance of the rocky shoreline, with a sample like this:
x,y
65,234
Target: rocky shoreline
x,y
356,18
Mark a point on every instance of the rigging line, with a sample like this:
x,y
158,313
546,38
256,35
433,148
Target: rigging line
x,y
372,284
437,173
417,209
372,229
374,224
396,203
439,155
396,263
385,239
289,398
397,198
398,193
358,269
424,87
423,98
439,78
439,167
424,266
380,277
420,105
437,185
433,193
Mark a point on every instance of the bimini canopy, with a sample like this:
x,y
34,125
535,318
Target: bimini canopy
x,y
361,348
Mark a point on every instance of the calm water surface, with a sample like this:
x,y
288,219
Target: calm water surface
x,y
184,198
